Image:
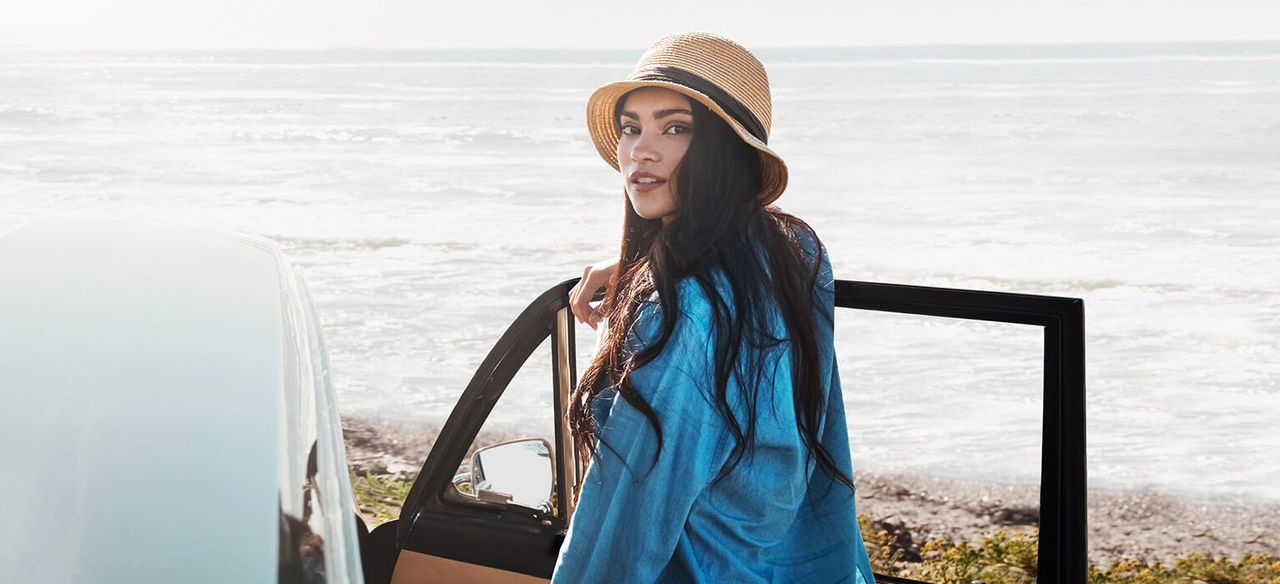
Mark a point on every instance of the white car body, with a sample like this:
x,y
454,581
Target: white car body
x,y
163,388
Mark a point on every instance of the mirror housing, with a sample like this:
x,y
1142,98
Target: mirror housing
x,y
518,473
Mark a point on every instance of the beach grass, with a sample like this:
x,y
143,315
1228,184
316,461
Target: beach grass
x,y
1010,558
379,496
1193,568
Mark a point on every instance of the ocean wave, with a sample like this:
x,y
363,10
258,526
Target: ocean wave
x,y
346,65
978,91
450,95
19,114
427,134
589,60
12,169
340,244
997,61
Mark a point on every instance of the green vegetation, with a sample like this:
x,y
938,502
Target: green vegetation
x,y
379,496
1010,558
1002,558
1193,569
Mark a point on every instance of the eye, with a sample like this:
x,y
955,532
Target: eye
x,y
678,129
630,130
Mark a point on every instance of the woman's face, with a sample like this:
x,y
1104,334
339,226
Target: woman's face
x,y
656,127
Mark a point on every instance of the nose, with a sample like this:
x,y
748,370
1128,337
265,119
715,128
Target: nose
x,y
643,148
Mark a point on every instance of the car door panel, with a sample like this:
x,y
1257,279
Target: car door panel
x,y
415,568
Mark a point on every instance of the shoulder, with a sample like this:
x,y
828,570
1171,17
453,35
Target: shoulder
x,y
814,255
695,304
801,235
692,295
810,244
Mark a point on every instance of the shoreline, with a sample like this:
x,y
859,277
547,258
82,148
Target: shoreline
x,y
1143,526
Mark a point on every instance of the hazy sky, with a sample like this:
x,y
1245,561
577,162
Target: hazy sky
x,y
579,23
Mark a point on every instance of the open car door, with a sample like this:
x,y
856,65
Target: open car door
x,y
493,512
496,510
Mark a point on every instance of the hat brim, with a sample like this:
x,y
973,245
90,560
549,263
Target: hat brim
x,y
604,131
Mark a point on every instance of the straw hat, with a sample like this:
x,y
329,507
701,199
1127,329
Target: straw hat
x,y
716,72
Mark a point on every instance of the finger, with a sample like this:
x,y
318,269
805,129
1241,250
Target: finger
x,y
580,312
575,293
579,305
583,314
580,298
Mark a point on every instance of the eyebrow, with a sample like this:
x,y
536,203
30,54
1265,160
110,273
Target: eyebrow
x,y
662,113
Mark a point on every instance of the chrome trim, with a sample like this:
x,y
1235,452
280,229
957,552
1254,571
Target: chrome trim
x,y
564,353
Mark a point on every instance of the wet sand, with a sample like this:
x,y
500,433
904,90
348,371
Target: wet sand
x,y
1150,527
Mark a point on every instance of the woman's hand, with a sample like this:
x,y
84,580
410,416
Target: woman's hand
x,y
594,277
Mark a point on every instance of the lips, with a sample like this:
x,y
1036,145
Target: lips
x,y
642,181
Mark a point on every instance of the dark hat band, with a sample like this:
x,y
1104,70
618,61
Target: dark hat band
x,y
728,103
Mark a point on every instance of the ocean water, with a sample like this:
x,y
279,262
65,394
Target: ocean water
x,y
429,195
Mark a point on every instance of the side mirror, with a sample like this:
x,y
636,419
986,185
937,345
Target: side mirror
x,y
515,473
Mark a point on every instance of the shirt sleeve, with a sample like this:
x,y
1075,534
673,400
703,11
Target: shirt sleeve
x,y
633,507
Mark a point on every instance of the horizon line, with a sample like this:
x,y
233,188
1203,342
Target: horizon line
x,y
619,48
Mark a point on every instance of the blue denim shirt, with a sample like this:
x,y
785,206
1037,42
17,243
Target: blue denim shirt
x,y
775,517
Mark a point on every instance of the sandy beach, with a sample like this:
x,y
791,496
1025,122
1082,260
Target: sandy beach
x,y
1149,527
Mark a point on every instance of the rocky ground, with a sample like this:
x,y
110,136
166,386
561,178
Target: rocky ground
x,y
1122,525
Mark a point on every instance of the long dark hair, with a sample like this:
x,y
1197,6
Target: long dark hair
x,y
720,231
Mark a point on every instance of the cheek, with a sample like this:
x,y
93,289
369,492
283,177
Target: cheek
x,y
676,155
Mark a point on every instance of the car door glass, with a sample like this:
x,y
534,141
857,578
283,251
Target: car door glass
x,y
523,413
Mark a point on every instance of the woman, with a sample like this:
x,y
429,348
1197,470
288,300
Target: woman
x,y
712,412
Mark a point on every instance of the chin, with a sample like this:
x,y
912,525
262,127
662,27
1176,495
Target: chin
x,y
645,209
654,216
